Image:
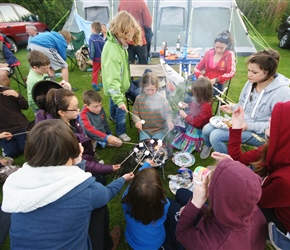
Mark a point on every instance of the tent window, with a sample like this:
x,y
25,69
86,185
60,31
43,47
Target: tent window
x,y
172,17
96,13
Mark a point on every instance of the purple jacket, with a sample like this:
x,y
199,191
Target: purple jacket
x,y
91,165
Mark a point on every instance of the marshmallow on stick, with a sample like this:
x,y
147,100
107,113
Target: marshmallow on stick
x,y
135,150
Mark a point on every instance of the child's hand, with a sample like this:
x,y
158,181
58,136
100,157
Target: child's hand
x,y
238,118
170,125
116,167
111,139
79,158
65,85
10,92
182,114
90,62
6,135
123,107
128,177
182,105
220,156
138,125
226,108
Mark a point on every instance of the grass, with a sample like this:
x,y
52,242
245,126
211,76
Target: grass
x,y
82,81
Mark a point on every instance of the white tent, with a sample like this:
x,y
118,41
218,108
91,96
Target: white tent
x,y
196,21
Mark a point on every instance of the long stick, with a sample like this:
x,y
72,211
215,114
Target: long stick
x,y
165,135
134,115
131,143
223,94
139,163
127,158
26,132
174,103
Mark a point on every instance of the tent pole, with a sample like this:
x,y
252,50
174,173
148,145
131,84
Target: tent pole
x,y
60,20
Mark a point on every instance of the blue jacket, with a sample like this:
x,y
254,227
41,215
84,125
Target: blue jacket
x,y
96,44
10,59
51,40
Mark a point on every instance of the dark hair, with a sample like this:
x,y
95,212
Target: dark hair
x,y
202,90
226,38
150,78
50,143
146,197
58,99
90,96
268,60
37,59
96,26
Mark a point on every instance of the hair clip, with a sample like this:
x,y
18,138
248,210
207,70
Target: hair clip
x,y
55,98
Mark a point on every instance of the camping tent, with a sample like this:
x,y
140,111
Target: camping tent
x,y
196,21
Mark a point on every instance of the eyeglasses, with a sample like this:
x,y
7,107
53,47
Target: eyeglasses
x,y
225,37
75,110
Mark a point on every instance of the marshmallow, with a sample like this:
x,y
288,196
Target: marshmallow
x,y
180,105
146,152
152,141
141,145
136,150
159,143
142,121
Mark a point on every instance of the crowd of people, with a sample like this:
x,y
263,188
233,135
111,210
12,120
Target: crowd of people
x,y
61,193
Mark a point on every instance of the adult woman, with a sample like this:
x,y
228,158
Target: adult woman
x,y
218,63
261,92
269,161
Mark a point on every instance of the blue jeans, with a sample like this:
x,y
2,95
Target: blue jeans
x,y
217,138
144,135
14,146
119,116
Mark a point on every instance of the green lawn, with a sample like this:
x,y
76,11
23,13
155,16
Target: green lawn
x,y
82,81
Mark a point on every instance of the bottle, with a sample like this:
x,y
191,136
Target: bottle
x,y
165,49
178,43
184,51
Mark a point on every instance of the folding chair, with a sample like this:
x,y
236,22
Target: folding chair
x,y
224,96
75,46
16,75
129,104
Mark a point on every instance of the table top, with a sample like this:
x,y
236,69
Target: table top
x,y
137,70
192,61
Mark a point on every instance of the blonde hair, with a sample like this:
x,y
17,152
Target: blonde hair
x,y
149,78
123,24
67,35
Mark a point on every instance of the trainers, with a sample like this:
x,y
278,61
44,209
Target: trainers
x,y
205,152
277,238
124,137
98,159
96,87
100,84
112,119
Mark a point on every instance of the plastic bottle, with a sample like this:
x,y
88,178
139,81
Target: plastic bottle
x,y
165,49
184,51
178,44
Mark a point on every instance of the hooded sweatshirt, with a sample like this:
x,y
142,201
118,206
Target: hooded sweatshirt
x,y
259,110
51,206
115,70
275,188
236,221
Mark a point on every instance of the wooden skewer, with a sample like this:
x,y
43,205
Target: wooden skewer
x,y
223,94
259,138
131,143
127,158
22,133
138,163
223,101
134,115
174,103
165,135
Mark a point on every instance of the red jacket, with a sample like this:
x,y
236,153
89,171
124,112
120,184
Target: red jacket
x,y
139,10
199,116
277,185
224,70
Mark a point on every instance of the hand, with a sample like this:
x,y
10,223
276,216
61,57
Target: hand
x,y
65,85
213,81
111,139
152,164
90,62
4,65
180,211
79,158
182,114
128,177
226,108
116,167
138,125
200,191
5,135
182,105
238,118
170,125
10,92
220,156
123,107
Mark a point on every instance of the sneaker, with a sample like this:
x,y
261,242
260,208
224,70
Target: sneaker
x,y
277,238
96,87
112,119
100,84
98,159
124,137
205,152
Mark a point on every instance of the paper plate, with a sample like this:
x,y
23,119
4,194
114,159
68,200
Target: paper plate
x,y
175,185
183,159
219,122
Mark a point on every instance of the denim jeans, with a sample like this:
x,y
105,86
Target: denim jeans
x,y
144,135
119,116
217,138
14,146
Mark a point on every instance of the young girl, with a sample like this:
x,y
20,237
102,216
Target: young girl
x,y
63,104
53,198
153,108
200,111
145,208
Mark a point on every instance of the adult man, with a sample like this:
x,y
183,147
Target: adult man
x,y
31,31
139,10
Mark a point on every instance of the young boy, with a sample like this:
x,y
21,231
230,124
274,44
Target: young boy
x,y
40,66
94,122
96,44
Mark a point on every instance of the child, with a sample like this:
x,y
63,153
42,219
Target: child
x,y
94,121
63,104
40,65
96,44
115,67
153,108
145,208
200,111
103,32
52,197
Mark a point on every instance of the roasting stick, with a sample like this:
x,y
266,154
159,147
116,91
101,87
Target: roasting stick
x,y
130,143
22,133
165,135
259,138
175,105
145,154
149,151
223,94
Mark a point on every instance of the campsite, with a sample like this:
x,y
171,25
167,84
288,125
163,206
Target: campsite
x,y
166,29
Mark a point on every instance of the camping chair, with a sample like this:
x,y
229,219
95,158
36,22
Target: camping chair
x,y
218,102
16,75
75,46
